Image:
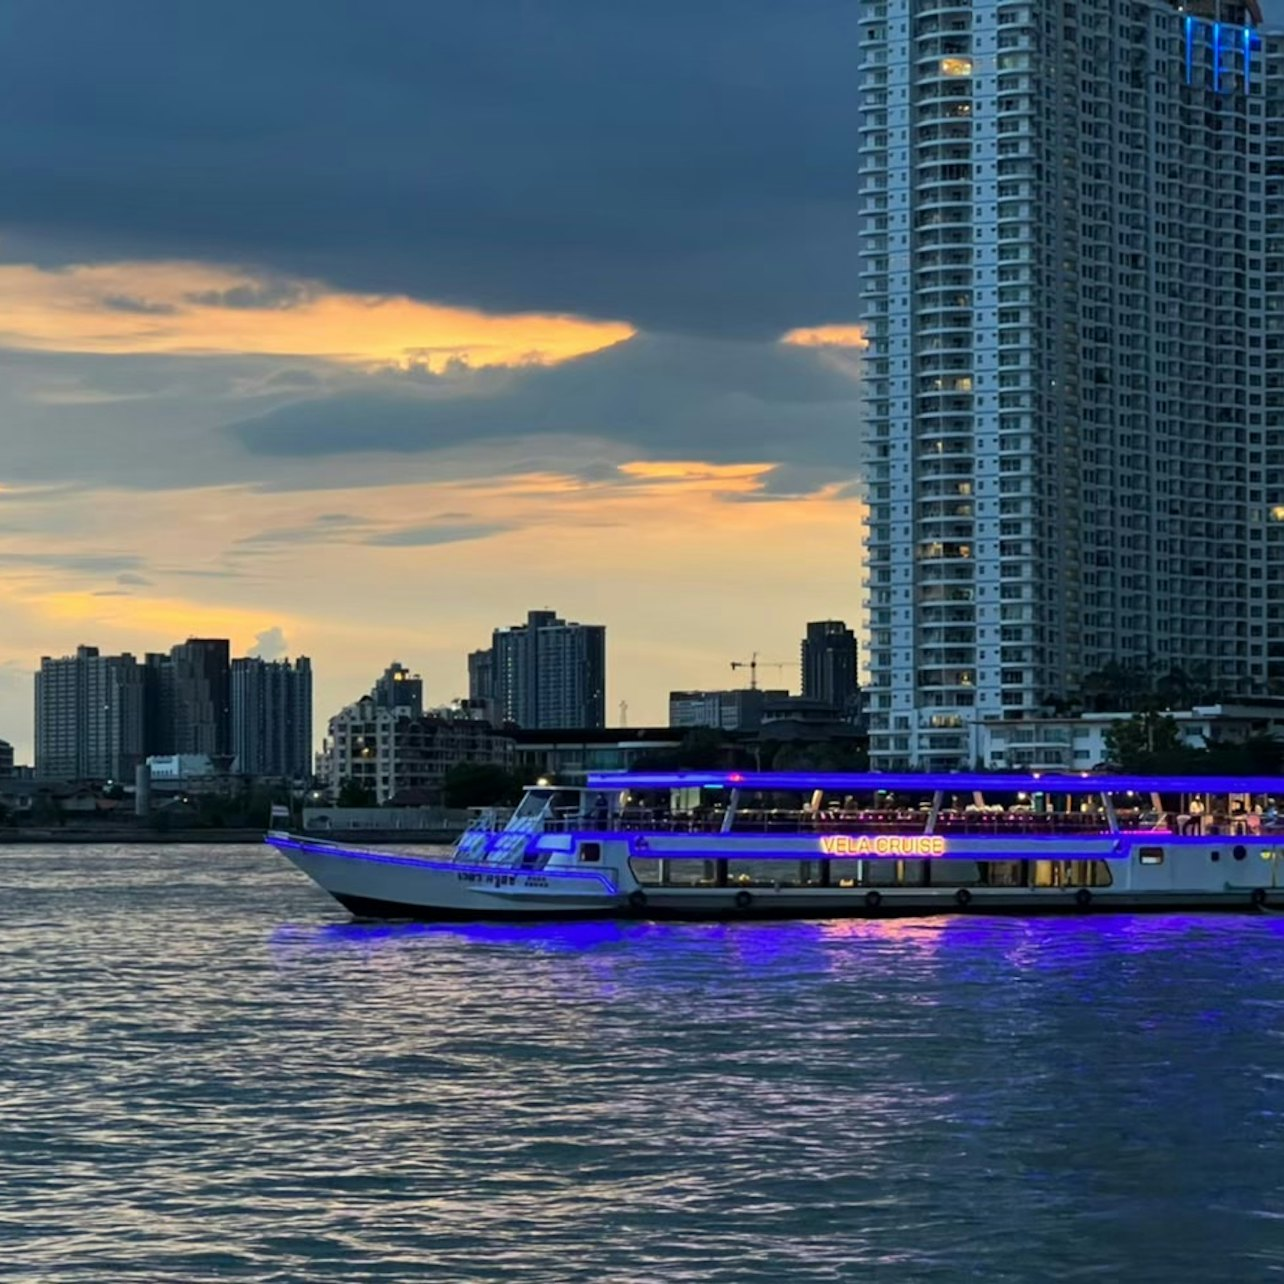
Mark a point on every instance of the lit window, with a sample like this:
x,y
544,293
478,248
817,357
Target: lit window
x,y
956,66
1151,855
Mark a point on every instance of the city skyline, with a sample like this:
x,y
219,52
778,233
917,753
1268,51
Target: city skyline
x,y
399,384
372,413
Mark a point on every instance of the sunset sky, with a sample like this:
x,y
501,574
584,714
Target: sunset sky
x,y
356,331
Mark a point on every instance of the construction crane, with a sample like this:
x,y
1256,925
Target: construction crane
x,y
752,665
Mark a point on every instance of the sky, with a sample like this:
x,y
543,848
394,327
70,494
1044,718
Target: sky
x,y
359,331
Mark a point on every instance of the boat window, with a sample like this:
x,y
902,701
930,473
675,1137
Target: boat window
x,y
1239,853
533,803
590,852
1151,855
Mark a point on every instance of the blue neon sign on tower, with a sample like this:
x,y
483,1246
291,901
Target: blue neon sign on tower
x,y
1217,41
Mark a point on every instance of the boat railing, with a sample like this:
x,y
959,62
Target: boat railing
x,y
865,822
474,841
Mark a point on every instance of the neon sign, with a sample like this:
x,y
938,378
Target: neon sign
x,y
882,845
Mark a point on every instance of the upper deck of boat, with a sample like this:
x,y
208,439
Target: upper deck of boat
x,y
983,803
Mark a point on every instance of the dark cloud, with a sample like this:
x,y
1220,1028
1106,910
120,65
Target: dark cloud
x,y
661,397
425,536
126,303
132,579
685,164
79,563
262,294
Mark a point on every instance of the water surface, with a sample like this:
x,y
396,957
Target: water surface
x,y
208,1073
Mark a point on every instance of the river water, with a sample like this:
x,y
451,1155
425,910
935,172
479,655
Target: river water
x,y
208,1073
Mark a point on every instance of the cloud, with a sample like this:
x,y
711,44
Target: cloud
x,y
662,397
688,167
270,644
75,563
132,579
186,308
425,536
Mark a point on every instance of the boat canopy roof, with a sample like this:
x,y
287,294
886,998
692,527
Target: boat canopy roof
x,y
930,782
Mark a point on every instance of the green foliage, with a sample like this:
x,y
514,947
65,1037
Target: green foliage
x,y
702,749
352,793
480,784
819,755
1150,744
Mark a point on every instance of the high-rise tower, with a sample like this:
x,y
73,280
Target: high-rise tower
x,y
1066,266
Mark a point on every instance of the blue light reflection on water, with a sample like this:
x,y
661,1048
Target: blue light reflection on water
x,y
211,1074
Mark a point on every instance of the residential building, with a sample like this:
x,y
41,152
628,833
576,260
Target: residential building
x,y
545,673
481,683
1079,743
6,760
567,756
201,678
400,690
738,710
1072,238
829,667
89,716
272,717
390,752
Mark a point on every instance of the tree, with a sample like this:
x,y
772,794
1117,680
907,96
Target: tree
x,y
702,749
480,784
352,793
1150,742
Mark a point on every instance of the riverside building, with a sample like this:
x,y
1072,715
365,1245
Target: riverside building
x,y
1071,262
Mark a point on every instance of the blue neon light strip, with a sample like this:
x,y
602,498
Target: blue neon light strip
x,y
1190,50
929,782
444,866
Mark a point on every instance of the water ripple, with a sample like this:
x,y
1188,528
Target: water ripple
x,y
208,1074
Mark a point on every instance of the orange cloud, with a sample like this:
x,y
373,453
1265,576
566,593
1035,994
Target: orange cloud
x,y
181,308
827,336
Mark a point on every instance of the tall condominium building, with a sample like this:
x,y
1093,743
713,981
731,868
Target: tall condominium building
x,y
89,716
202,697
6,759
272,717
1071,258
544,673
829,666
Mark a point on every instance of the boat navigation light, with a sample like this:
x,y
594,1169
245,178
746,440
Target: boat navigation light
x,y
542,782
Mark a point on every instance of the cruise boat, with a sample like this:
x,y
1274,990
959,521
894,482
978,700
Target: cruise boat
x,y
718,845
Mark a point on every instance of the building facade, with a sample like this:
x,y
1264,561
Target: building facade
x,y
546,673
829,667
201,680
737,710
6,760
272,717
388,752
400,690
89,716
1069,259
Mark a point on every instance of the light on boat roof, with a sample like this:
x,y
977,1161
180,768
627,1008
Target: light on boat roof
x,y
1041,782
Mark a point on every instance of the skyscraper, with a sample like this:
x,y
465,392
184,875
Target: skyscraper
x,y
829,666
546,673
89,716
202,697
1070,264
272,717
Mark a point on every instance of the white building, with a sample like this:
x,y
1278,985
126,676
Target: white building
x,y
1073,236
1079,743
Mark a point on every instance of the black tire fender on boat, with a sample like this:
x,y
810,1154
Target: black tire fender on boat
x,y
1258,897
963,896
744,900
1083,898
637,899
873,899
